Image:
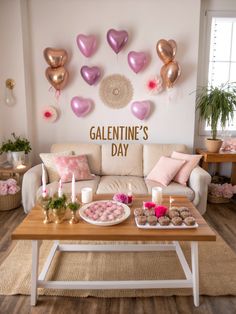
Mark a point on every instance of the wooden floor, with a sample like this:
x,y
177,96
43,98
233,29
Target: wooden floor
x,y
221,217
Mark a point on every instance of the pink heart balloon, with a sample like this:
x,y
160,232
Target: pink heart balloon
x,y
80,106
117,39
141,109
90,74
86,44
137,60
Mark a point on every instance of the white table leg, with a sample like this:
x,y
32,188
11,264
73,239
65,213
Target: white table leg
x,y
34,274
195,272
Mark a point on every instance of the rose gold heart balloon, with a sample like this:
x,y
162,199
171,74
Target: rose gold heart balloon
x,y
173,44
57,77
55,57
165,50
170,73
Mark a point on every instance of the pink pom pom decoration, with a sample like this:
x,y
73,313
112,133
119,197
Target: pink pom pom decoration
x,y
160,211
154,85
121,197
49,114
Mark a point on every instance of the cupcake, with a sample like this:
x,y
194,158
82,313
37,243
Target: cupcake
x,y
141,220
173,213
177,221
190,221
149,212
138,212
164,221
152,220
174,208
185,214
183,209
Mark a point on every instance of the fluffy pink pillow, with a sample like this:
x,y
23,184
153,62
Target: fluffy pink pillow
x,y
165,170
67,165
192,161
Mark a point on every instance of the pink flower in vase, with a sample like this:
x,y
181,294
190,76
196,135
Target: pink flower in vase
x,y
148,205
121,197
160,211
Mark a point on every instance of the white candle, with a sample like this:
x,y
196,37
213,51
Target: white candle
x,y
157,195
73,189
86,195
60,189
44,191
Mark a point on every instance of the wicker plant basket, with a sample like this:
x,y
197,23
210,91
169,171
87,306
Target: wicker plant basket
x,y
10,201
218,200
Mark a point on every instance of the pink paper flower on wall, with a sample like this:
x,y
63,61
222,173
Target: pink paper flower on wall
x,y
154,85
49,114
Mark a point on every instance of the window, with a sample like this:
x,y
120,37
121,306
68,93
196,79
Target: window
x,y
221,59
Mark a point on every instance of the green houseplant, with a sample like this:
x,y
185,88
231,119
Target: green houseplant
x,y
18,146
58,206
216,106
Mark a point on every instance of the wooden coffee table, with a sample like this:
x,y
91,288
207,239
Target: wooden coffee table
x,y
32,228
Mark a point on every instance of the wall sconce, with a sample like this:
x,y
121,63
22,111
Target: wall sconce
x,y
9,97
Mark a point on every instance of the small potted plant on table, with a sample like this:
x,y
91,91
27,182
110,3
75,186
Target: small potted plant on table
x,y
216,105
58,206
18,147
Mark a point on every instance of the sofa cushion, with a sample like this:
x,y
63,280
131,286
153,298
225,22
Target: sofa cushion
x,y
69,165
66,187
153,152
129,165
93,152
115,184
165,170
192,161
49,161
172,189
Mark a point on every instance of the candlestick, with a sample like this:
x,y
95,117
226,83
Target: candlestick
x,y
44,191
73,189
130,193
60,189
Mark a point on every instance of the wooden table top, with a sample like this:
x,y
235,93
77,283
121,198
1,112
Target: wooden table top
x,y
33,228
222,156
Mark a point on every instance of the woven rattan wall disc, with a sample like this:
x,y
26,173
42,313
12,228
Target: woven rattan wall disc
x,y
116,91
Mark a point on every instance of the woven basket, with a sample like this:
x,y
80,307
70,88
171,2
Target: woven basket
x,y
10,201
217,200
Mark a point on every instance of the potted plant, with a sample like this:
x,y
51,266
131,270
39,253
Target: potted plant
x,y
58,206
73,209
216,105
18,146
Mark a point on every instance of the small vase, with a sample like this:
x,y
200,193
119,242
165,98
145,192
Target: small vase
x,y
47,218
58,214
74,219
18,158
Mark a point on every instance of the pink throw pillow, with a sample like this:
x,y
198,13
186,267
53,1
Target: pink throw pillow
x,y
192,161
165,170
67,165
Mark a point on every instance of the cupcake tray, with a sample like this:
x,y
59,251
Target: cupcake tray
x,y
170,226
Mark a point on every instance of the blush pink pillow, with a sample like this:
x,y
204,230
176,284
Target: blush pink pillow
x,y
165,170
192,161
67,165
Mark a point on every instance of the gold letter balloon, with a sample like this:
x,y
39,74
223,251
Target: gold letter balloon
x,y
170,71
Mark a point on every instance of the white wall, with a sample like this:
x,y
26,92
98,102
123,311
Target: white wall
x,y
56,23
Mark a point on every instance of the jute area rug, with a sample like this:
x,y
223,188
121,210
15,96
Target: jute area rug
x,y
217,270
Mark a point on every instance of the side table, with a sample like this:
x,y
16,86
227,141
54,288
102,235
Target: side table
x,y
14,172
218,158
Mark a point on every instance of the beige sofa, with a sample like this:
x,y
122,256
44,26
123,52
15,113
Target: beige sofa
x,y
113,173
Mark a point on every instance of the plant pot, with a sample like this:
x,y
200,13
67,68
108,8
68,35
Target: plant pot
x,y
213,146
59,215
18,158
